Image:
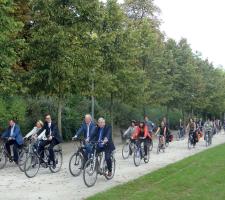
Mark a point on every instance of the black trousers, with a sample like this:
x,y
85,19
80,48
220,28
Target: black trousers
x,y
44,143
15,149
108,154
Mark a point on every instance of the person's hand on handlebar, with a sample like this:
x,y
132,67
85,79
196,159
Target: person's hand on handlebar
x,y
74,137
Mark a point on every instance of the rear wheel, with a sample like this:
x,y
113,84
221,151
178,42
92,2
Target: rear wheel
x,y
137,156
113,169
90,173
58,162
126,151
32,165
76,164
3,159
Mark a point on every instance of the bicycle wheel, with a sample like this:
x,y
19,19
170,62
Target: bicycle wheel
x,y
137,156
22,158
206,139
113,169
3,159
58,162
76,164
32,165
146,160
90,173
151,145
126,151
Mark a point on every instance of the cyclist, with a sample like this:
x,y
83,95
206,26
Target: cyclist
x,y
103,135
14,137
208,127
52,137
142,132
86,130
35,130
192,130
162,130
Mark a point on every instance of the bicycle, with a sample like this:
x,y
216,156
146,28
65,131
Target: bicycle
x,y
139,151
208,138
128,149
76,163
161,144
95,165
34,161
181,134
5,157
191,140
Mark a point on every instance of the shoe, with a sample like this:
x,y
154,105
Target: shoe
x,y
109,174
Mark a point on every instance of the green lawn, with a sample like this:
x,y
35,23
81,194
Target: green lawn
x,y
201,176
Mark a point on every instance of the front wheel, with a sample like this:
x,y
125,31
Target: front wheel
x,y
76,164
32,165
126,151
22,159
90,173
137,156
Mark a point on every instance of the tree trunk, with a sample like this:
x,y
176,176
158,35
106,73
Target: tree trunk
x,y
111,111
60,116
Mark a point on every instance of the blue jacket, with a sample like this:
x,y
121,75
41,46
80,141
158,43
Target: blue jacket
x,y
107,132
83,130
17,135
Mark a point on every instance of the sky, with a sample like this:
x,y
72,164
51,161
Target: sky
x,y
201,22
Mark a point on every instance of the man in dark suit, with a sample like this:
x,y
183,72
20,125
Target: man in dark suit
x,y
53,138
86,130
15,138
103,134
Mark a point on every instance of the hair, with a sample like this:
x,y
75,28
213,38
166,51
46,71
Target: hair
x,y
101,119
40,122
88,115
47,114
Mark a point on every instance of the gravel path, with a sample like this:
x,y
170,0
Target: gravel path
x,y
14,185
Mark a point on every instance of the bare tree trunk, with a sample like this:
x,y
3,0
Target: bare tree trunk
x,y
60,116
111,111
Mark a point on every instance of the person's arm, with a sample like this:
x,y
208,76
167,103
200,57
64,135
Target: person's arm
x,y
108,134
16,132
80,130
128,131
32,132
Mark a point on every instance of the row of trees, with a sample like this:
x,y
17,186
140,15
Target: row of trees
x,y
63,50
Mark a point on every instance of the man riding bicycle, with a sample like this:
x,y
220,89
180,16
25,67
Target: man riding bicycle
x,y
52,138
14,137
86,130
208,127
192,131
103,135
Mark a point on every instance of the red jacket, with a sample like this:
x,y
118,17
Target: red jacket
x,y
137,132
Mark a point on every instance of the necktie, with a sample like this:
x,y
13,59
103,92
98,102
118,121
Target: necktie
x,y
88,126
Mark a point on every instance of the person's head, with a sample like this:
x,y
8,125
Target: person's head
x,y
141,124
39,124
191,120
146,118
133,123
48,118
87,118
162,124
101,122
12,122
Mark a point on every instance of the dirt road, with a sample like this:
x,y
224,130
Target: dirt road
x,y
14,185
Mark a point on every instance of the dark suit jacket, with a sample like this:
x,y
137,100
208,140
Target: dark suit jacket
x,y
83,130
107,132
54,129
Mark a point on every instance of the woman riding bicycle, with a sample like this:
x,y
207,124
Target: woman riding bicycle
x,y
141,133
192,130
162,130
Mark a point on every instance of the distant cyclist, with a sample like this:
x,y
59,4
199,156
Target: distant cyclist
x,y
192,130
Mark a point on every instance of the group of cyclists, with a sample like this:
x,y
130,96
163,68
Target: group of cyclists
x,y
96,139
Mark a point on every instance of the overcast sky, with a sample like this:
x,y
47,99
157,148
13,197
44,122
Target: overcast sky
x,y
202,22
